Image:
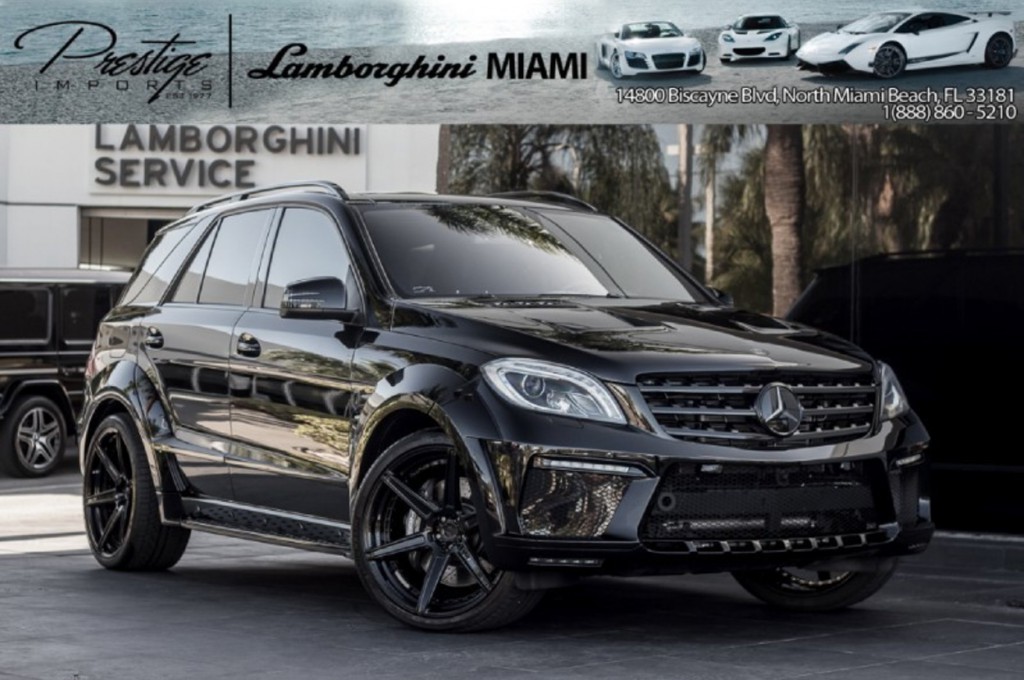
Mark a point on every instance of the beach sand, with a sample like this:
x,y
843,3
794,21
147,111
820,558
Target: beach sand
x,y
30,98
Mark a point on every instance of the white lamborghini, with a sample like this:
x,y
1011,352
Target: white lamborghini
x,y
649,47
889,43
756,36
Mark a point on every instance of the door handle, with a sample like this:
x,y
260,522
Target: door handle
x,y
154,338
248,346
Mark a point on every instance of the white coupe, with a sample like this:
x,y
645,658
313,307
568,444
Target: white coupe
x,y
756,36
889,43
649,47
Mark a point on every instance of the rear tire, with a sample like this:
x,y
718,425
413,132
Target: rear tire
x,y
417,545
122,515
998,51
33,436
822,591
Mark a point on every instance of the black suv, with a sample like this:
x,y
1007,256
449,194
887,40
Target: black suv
x,y
477,398
49,322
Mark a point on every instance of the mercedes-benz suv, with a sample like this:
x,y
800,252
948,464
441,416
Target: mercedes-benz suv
x,y
479,398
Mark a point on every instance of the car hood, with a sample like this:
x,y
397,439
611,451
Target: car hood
x,y
619,339
830,44
660,45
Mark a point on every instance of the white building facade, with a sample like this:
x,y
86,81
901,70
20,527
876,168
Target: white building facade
x,y
83,195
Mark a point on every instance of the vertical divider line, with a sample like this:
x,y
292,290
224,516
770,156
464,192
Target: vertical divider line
x,y
231,58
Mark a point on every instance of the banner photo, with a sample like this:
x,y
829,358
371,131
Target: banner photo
x,y
461,61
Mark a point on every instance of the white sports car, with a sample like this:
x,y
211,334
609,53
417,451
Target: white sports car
x,y
649,47
756,36
889,43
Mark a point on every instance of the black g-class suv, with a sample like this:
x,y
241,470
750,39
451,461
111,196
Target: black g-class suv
x,y
49,319
477,398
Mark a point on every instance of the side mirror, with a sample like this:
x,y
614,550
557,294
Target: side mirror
x,y
722,297
321,298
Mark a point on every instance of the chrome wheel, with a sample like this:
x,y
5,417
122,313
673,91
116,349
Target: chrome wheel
x,y
999,51
616,66
889,61
418,543
108,493
32,438
805,579
39,441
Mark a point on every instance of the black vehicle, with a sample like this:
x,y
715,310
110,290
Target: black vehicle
x,y
951,323
49,322
477,398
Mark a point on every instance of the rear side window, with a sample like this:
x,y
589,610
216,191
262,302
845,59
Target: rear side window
x,y
231,258
161,262
31,307
82,307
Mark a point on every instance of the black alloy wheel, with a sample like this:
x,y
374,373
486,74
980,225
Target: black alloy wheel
x,y
814,589
418,547
999,51
890,61
33,436
122,518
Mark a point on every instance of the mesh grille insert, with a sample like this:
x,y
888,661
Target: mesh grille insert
x,y
747,501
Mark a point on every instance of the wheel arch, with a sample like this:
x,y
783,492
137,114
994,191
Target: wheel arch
x,y
126,388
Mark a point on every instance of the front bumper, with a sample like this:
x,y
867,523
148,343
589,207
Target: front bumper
x,y
801,506
825,67
663,63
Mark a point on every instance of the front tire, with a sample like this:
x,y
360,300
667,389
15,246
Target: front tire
x,y
616,66
122,516
816,591
998,51
33,437
890,61
417,544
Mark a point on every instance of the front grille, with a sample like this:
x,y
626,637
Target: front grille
x,y
748,51
636,62
736,502
718,408
693,60
665,61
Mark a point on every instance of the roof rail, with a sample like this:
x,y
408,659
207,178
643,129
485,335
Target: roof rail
x,y
548,197
328,187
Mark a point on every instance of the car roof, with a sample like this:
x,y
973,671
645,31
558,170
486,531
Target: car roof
x,y
937,257
68,275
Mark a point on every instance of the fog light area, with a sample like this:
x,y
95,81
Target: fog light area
x,y
565,504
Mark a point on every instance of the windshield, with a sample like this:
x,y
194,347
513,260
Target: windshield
x,y
759,23
883,22
488,250
651,29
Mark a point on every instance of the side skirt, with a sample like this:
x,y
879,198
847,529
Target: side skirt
x,y
267,525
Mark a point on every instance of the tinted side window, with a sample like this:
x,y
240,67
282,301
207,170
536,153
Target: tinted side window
x,y
82,307
31,307
160,263
192,277
308,245
227,272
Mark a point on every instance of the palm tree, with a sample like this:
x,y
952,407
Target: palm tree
x,y
716,142
784,205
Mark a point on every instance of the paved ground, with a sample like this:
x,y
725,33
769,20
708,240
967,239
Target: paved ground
x,y
240,610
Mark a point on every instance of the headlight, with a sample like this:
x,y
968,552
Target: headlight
x,y
696,50
726,37
552,388
633,55
774,36
894,399
851,48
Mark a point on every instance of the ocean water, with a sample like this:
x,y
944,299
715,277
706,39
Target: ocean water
x,y
266,25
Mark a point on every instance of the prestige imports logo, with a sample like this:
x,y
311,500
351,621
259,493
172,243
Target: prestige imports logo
x,y
163,62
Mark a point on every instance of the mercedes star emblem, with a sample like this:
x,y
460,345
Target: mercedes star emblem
x,y
779,409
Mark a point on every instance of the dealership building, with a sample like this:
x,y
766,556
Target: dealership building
x,y
82,195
